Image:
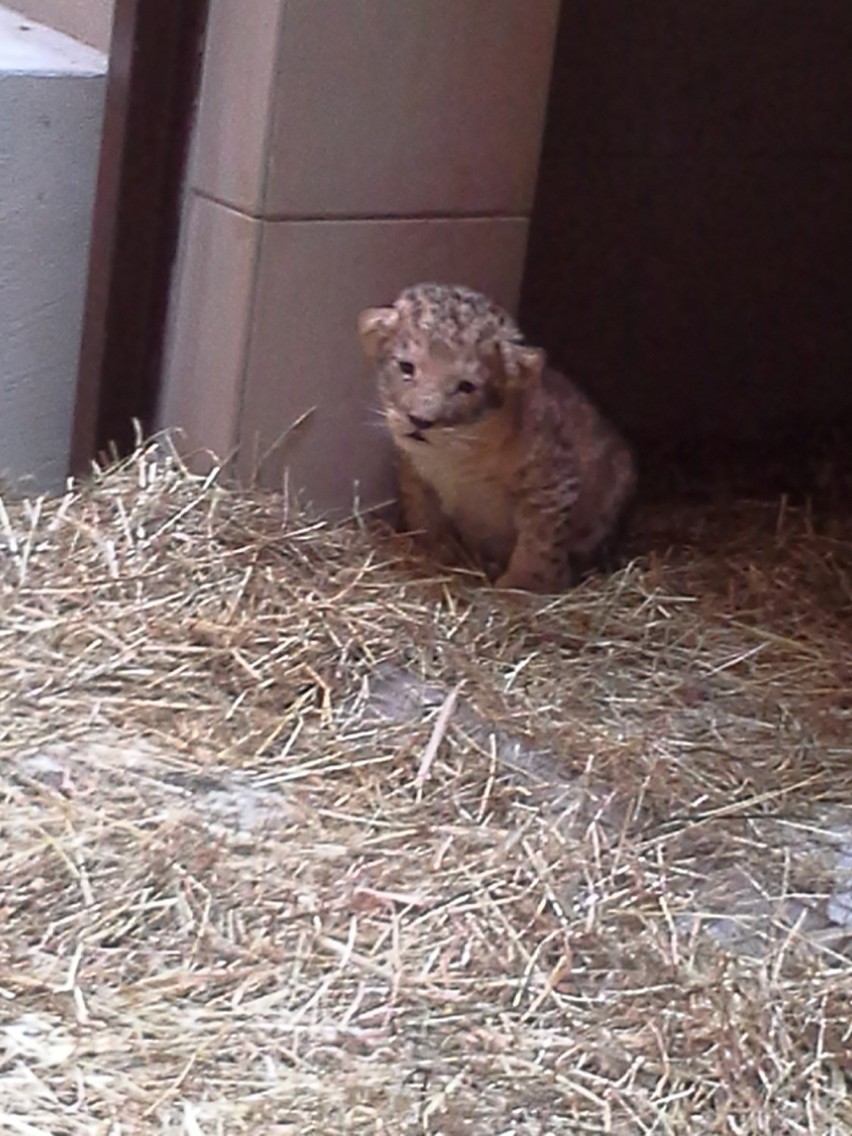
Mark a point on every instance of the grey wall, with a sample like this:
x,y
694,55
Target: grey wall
x,y
51,106
87,20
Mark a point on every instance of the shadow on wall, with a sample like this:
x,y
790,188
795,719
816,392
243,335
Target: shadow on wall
x,y
690,256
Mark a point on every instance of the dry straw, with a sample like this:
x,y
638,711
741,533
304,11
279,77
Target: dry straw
x,y
297,836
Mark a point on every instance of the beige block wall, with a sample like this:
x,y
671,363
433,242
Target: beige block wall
x,y
342,150
87,20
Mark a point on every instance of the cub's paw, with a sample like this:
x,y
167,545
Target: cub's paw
x,y
523,582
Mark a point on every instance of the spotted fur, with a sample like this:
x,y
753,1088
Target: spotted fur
x,y
499,458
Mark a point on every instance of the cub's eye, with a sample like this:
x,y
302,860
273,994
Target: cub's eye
x,y
466,387
406,367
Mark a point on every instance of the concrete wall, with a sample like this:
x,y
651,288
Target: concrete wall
x,y
51,105
691,248
90,21
343,150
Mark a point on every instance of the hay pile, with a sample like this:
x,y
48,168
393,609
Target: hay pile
x,y
297,838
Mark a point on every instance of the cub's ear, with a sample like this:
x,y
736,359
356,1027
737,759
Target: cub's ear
x,y
527,363
375,327
519,367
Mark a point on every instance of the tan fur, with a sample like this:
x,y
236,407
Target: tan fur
x,y
496,454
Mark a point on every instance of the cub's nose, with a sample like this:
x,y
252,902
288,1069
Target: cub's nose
x,y
420,423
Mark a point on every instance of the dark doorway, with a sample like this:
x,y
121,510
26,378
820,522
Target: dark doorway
x,y
153,78
691,246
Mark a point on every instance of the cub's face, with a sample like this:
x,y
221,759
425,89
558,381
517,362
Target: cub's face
x,y
429,384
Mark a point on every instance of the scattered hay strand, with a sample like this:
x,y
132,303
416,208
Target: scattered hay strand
x,y
437,736
263,869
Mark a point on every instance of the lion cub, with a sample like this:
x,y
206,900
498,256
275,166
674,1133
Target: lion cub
x,y
496,453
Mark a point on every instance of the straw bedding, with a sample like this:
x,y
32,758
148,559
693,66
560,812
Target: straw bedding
x,y
297,835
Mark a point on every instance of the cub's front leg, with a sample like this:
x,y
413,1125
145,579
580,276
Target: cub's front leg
x,y
537,564
422,515
540,560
